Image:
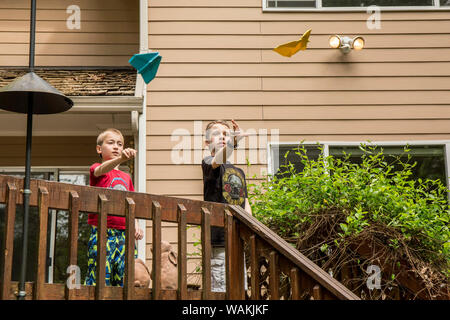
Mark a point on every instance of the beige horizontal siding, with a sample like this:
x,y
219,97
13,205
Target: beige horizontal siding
x,y
60,26
294,28
300,98
301,84
58,4
166,157
318,126
218,63
44,16
319,41
70,38
181,187
162,141
109,35
204,3
211,13
191,171
305,69
324,55
49,151
343,112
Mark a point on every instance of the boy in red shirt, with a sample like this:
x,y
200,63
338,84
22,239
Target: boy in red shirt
x,y
107,175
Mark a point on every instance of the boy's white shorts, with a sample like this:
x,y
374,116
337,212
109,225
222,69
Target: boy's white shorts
x,y
218,279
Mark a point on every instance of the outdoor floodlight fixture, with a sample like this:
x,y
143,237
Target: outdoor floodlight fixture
x,y
346,43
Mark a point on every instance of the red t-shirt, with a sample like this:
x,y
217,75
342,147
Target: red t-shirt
x,y
114,179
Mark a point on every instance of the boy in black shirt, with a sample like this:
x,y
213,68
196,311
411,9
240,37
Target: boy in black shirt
x,y
222,182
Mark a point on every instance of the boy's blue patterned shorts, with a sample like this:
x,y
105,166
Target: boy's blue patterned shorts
x,y
115,257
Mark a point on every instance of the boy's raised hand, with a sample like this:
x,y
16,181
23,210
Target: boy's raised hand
x,y
128,154
237,134
138,232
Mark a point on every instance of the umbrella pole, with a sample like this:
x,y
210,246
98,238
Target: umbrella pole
x,y
26,184
26,201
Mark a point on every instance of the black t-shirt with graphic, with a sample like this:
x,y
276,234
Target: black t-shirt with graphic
x,y
225,184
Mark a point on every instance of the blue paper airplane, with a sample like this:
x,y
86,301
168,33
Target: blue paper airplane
x,y
146,64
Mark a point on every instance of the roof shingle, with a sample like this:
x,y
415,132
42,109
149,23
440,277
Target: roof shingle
x,y
112,82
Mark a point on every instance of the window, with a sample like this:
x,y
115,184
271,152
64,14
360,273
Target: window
x,y
354,4
287,154
430,158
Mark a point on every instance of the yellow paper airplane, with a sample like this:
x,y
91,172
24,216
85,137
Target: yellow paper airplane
x,y
291,48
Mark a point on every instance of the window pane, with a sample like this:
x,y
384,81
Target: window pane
x,y
312,151
445,3
430,159
33,229
61,248
79,179
291,4
366,3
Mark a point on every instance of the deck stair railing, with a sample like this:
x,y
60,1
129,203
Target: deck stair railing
x,y
275,269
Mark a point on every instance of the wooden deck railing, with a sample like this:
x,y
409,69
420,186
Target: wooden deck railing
x,y
276,269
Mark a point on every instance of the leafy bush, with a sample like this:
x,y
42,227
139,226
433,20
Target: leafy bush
x,y
413,213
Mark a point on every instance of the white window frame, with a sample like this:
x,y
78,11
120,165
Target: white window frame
x,y
327,144
435,7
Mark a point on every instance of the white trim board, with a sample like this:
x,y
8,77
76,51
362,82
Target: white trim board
x,y
319,8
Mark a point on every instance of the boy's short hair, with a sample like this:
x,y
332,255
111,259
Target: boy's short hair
x,y
211,124
102,135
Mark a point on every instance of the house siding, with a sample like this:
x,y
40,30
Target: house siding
x,y
51,151
218,63
108,34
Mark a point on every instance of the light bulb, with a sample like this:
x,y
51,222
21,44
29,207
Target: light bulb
x,y
358,43
335,42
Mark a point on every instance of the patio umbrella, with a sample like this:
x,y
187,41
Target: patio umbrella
x,y
30,94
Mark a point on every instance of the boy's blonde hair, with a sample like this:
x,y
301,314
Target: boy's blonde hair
x,y
211,124
101,136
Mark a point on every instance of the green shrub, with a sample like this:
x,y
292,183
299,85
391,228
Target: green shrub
x,y
367,194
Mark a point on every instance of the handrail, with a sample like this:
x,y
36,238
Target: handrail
x,y
267,250
294,256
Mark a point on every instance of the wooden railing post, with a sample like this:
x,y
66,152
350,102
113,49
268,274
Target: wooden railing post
x,y
74,210
274,276
128,286
317,292
234,259
42,246
295,284
101,248
206,254
8,242
182,252
240,261
229,266
254,265
156,231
